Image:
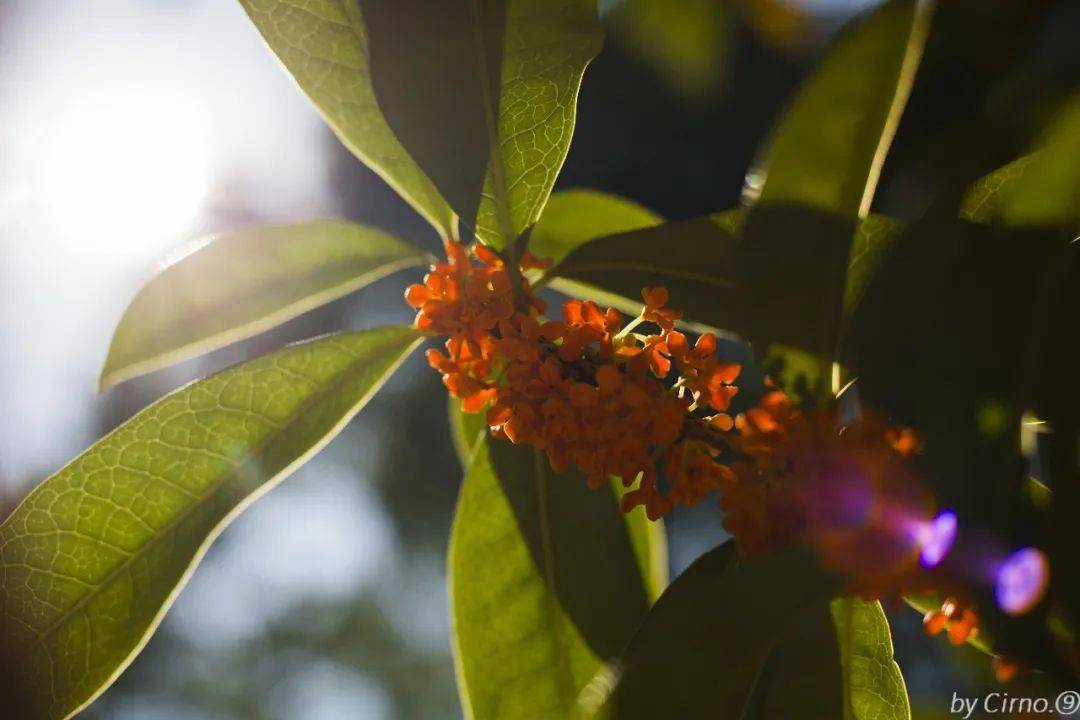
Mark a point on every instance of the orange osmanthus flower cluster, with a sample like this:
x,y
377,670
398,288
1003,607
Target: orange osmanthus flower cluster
x,y
585,389
651,407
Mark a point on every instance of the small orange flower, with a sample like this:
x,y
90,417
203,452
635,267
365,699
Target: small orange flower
x,y
655,300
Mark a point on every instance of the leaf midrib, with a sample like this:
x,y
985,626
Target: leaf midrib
x,y
241,462
499,187
127,368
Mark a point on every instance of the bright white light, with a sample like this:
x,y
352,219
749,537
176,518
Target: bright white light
x,y
123,162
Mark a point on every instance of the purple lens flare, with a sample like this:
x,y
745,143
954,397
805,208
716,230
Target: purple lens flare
x,y
1021,581
936,537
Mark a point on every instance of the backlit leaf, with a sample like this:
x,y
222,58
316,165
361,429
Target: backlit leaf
x,y
983,200
324,45
95,555
544,584
873,686
574,217
483,94
1048,192
828,149
646,536
239,284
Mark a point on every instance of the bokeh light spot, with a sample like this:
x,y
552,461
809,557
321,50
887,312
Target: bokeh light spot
x,y
1022,580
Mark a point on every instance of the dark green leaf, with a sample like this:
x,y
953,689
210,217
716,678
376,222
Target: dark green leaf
x,y
873,237
732,638
722,282
828,150
95,555
544,584
693,259
483,94
239,284
324,46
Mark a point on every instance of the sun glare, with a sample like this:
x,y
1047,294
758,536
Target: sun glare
x,y
119,163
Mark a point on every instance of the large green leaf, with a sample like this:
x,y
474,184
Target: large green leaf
x,y
873,686
94,556
483,94
544,584
828,150
238,284
324,45
647,537
732,638
574,217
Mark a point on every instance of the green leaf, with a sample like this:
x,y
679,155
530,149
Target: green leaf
x,y
239,284
828,150
95,555
1048,191
721,269
483,94
873,686
323,44
574,217
734,638
646,536
873,236
982,202
544,584
694,259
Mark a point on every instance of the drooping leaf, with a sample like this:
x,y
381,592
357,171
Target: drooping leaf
x,y
323,44
830,145
732,638
238,284
94,556
647,537
873,685
544,584
483,94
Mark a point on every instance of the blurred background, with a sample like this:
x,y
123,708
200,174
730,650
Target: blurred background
x,y
130,127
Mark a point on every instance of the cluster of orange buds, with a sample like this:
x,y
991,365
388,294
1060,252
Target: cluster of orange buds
x,y
587,390
592,391
850,489
960,623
